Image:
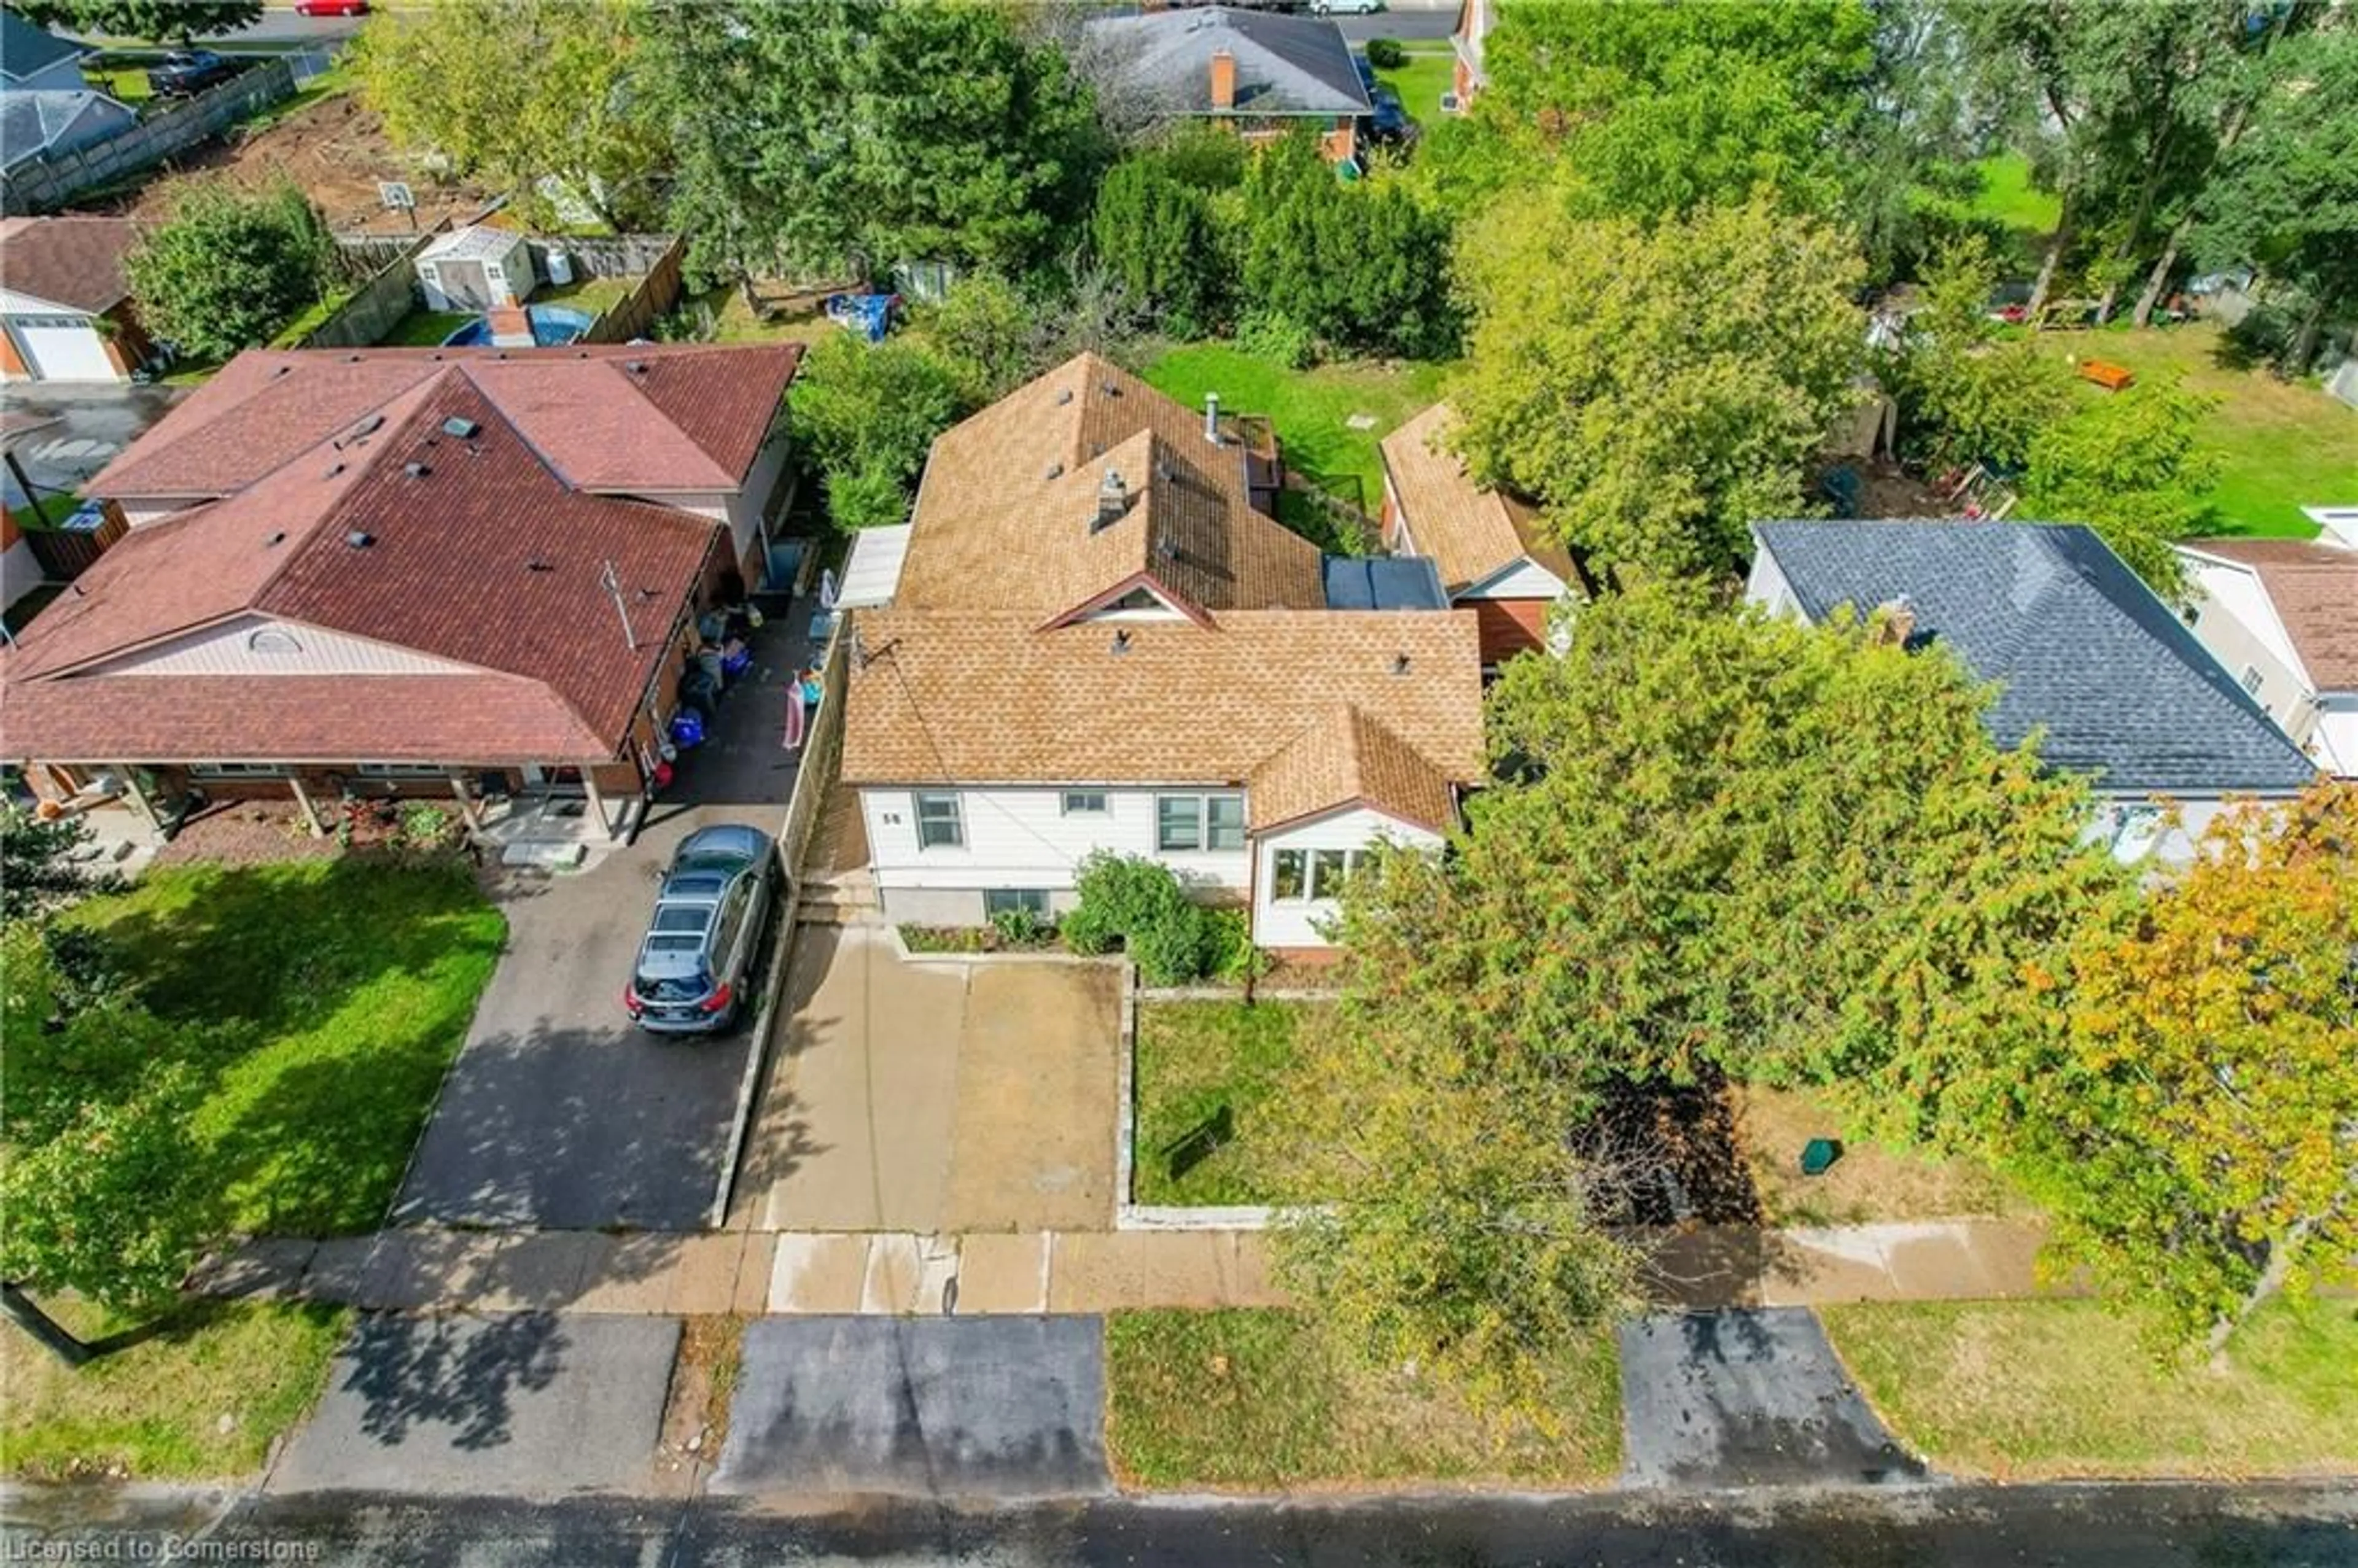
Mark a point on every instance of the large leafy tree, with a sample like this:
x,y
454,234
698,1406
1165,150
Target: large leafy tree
x,y
810,134
1969,392
519,94
1657,388
228,266
2286,196
2132,466
1659,108
1365,266
867,414
2194,1126
175,21
1153,230
1786,852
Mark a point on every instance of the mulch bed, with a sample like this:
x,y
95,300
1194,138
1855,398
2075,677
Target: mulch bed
x,y
244,833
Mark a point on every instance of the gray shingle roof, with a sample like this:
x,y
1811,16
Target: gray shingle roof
x,y
32,124
1285,65
26,48
2081,648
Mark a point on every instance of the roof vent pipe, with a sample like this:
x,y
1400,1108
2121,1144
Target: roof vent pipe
x,y
1212,417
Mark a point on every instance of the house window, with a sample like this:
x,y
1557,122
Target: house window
x,y
2252,680
1185,822
939,826
1299,874
237,771
1007,900
399,769
1085,802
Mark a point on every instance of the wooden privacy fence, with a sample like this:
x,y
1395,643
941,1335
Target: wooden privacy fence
x,y
377,305
635,316
40,184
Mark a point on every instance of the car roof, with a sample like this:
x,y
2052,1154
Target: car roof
x,y
727,843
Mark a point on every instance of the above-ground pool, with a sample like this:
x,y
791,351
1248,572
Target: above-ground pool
x,y
551,324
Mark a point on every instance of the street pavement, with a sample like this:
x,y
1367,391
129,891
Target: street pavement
x,y
89,425
1746,1398
2137,1526
528,1404
560,1113
927,1407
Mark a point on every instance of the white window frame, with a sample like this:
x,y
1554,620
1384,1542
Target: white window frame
x,y
918,800
2252,680
400,770
1103,802
1034,900
1310,893
1201,815
237,770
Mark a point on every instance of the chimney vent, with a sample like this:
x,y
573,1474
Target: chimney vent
x,y
1899,621
415,471
1113,500
1120,641
1399,664
359,540
1212,417
1223,79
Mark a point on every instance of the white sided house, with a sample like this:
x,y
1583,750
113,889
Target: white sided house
x,y
1098,643
2282,616
2083,654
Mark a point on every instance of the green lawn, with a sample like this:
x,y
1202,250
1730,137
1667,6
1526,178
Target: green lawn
x,y
155,1408
595,295
1310,408
1196,1058
1427,74
1255,1400
424,329
323,1001
2007,195
2285,445
47,510
2064,1387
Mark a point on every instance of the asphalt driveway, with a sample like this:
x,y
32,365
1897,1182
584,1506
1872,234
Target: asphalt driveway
x,y
1746,1398
89,425
974,1407
559,1113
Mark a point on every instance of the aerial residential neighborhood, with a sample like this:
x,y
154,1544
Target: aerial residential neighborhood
x,y
1393,781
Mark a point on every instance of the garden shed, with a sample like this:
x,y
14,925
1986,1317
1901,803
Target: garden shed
x,y
476,269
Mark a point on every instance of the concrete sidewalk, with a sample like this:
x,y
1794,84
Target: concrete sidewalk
x,y
753,1274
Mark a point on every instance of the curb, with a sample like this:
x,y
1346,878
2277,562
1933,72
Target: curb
x,y
757,1059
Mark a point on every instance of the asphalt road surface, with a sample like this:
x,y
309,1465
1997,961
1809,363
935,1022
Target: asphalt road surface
x,y
2163,1526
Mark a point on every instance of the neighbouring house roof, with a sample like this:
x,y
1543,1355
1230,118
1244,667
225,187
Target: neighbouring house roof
x,y
977,698
1285,65
72,262
477,549
645,418
1007,515
56,121
2315,590
1471,531
26,50
2082,651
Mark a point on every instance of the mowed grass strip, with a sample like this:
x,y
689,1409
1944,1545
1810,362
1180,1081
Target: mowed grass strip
x,y
2282,445
1256,1400
321,1001
1196,1058
2067,1387
199,1398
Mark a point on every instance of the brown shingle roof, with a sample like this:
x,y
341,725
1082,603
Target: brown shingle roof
x,y
2315,590
692,419
490,558
1469,532
1343,757
977,698
1006,515
74,262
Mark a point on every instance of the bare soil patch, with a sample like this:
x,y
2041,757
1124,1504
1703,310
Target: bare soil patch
x,y
335,151
1867,1185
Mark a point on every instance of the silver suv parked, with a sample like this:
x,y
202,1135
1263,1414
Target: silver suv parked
x,y
705,938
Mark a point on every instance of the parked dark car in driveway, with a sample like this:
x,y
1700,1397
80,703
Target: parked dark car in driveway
x,y
704,940
1389,123
186,72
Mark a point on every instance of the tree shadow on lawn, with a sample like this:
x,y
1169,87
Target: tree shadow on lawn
x,y
322,1002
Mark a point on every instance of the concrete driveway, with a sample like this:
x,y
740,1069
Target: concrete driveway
x,y
1001,1407
1746,1398
92,424
560,1113
934,1098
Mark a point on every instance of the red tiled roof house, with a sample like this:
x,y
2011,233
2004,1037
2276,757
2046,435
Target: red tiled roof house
x,y
397,570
